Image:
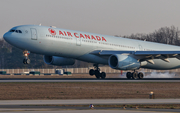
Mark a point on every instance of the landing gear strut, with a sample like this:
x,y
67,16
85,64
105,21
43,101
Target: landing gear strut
x,y
97,73
134,75
26,59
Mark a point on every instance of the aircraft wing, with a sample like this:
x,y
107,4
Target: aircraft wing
x,y
142,55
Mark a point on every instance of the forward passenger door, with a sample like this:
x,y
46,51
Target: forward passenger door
x,y
34,34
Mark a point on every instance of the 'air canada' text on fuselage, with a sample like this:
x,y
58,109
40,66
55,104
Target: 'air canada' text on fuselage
x,y
77,35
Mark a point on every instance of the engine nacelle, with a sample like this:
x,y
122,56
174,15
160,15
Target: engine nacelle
x,y
59,61
123,62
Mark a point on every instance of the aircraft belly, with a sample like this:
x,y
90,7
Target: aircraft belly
x,y
94,59
162,65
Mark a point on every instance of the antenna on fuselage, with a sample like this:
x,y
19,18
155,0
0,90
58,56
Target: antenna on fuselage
x,y
53,26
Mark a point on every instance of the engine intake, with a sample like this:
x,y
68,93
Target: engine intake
x,y
123,62
59,61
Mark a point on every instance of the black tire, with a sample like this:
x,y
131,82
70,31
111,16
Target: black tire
x,y
24,61
103,75
129,75
140,75
91,72
28,61
97,74
135,75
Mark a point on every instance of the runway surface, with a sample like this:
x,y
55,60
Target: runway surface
x,y
85,111
40,106
31,106
87,80
90,101
120,110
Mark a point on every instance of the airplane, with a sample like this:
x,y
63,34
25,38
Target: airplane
x,y
62,47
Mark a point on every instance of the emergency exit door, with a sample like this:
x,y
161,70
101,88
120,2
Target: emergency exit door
x,y
33,34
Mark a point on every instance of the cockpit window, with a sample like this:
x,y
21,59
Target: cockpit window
x,y
20,31
17,31
12,30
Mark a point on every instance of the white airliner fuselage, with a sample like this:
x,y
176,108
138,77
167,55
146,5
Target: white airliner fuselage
x,y
62,46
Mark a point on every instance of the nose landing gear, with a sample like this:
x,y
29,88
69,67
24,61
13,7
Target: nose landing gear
x,y
97,73
26,60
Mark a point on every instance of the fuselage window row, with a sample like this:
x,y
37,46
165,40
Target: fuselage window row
x,y
88,41
59,37
116,45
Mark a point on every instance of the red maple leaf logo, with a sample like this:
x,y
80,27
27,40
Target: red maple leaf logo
x,y
52,31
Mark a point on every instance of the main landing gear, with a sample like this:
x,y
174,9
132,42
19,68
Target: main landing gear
x,y
26,60
97,73
134,75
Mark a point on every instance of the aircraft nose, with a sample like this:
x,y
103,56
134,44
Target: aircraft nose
x,y
6,36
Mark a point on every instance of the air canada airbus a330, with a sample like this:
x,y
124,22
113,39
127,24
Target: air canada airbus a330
x,y
61,47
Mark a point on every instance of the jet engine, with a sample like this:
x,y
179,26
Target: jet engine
x,y
123,62
59,61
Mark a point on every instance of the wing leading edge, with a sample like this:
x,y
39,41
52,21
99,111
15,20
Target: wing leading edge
x,y
142,55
